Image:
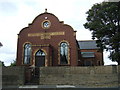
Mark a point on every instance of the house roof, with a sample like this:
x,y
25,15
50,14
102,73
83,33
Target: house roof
x,y
1,44
88,44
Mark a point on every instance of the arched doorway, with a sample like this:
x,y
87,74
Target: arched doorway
x,y
40,58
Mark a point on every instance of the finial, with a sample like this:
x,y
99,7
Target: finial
x,y
46,10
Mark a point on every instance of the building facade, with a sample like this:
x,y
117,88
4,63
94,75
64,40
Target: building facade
x,y
49,42
89,53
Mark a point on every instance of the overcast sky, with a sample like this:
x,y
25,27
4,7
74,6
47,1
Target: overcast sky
x,y
17,14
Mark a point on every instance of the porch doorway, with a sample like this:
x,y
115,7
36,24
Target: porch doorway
x,y
40,58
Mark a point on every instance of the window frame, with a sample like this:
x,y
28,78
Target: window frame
x,y
68,54
27,54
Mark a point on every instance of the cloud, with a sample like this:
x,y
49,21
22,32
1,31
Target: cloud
x,y
7,58
8,8
17,14
108,61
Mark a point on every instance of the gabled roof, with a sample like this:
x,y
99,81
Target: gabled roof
x,y
1,44
88,44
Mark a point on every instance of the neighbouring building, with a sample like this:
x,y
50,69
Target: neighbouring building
x,y
1,44
49,42
89,54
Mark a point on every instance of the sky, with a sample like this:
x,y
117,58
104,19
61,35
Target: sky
x,y
17,14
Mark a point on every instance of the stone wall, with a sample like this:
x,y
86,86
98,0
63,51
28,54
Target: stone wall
x,y
0,76
98,76
12,76
119,75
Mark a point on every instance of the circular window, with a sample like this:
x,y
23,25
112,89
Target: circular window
x,y
46,24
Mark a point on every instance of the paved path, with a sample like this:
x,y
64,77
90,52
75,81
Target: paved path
x,y
47,86
58,87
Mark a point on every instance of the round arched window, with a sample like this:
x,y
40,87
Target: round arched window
x,y
64,53
27,53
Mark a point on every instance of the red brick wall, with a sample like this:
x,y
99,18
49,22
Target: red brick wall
x,y
56,26
98,56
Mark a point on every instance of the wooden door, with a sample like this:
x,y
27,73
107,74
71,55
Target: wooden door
x,y
40,61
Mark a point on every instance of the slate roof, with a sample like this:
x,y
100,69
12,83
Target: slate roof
x,y
88,44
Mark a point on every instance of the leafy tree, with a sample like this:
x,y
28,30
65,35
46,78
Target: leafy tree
x,y
13,64
2,63
103,22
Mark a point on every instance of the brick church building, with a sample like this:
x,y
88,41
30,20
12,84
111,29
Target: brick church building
x,y
49,42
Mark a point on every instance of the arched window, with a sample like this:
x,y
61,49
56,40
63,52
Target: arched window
x,y
64,53
27,53
40,53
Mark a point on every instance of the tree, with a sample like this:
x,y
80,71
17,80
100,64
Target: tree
x,y
2,63
14,63
103,22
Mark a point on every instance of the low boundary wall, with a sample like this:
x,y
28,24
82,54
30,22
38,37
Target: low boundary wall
x,y
97,76
12,76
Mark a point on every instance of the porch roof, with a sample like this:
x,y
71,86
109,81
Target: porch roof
x,y
88,54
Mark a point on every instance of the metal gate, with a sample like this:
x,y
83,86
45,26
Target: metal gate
x,y
31,75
